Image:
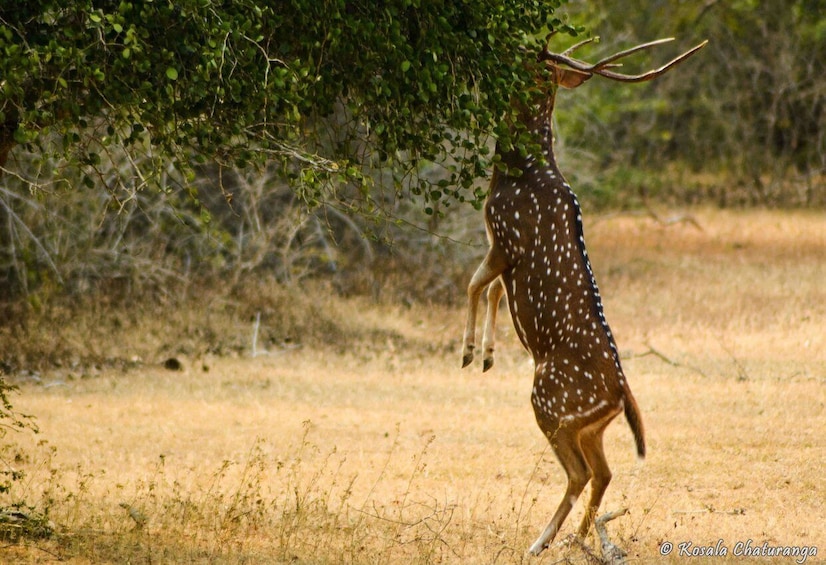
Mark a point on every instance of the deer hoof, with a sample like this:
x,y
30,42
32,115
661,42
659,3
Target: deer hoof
x,y
487,364
537,548
467,359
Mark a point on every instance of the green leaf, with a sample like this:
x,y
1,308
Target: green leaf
x,y
172,73
21,136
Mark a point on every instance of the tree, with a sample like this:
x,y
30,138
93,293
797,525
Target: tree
x,y
325,89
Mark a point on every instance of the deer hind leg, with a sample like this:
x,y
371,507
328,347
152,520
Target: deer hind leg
x,y
592,448
567,448
490,268
495,292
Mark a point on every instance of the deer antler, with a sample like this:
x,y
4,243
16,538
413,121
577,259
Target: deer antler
x,y
576,46
601,67
545,54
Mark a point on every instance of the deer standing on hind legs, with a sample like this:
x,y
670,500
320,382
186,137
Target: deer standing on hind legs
x,y
537,258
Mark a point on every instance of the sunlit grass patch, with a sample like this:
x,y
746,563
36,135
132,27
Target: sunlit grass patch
x,y
379,449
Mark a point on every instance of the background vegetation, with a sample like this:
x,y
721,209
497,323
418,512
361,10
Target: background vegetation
x,y
742,126
163,138
144,147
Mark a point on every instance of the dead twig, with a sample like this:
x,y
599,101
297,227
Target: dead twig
x,y
611,554
742,373
678,219
656,353
650,213
733,512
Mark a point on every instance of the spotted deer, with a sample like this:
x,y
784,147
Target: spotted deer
x,y
537,258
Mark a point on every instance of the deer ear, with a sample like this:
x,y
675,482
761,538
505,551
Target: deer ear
x,y
570,78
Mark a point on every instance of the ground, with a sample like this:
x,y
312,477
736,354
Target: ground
x,y
385,451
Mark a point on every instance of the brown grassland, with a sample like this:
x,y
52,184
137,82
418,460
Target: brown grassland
x,y
380,449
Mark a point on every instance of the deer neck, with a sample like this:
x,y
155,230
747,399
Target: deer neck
x,y
536,118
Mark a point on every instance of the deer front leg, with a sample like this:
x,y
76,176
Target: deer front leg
x,y
491,267
496,290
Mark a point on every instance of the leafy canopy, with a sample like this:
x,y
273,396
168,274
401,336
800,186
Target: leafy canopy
x,y
329,90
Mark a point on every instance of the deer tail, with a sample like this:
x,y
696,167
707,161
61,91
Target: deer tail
x,y
632,414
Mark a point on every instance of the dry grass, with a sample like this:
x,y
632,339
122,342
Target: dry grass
x,y
389,453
